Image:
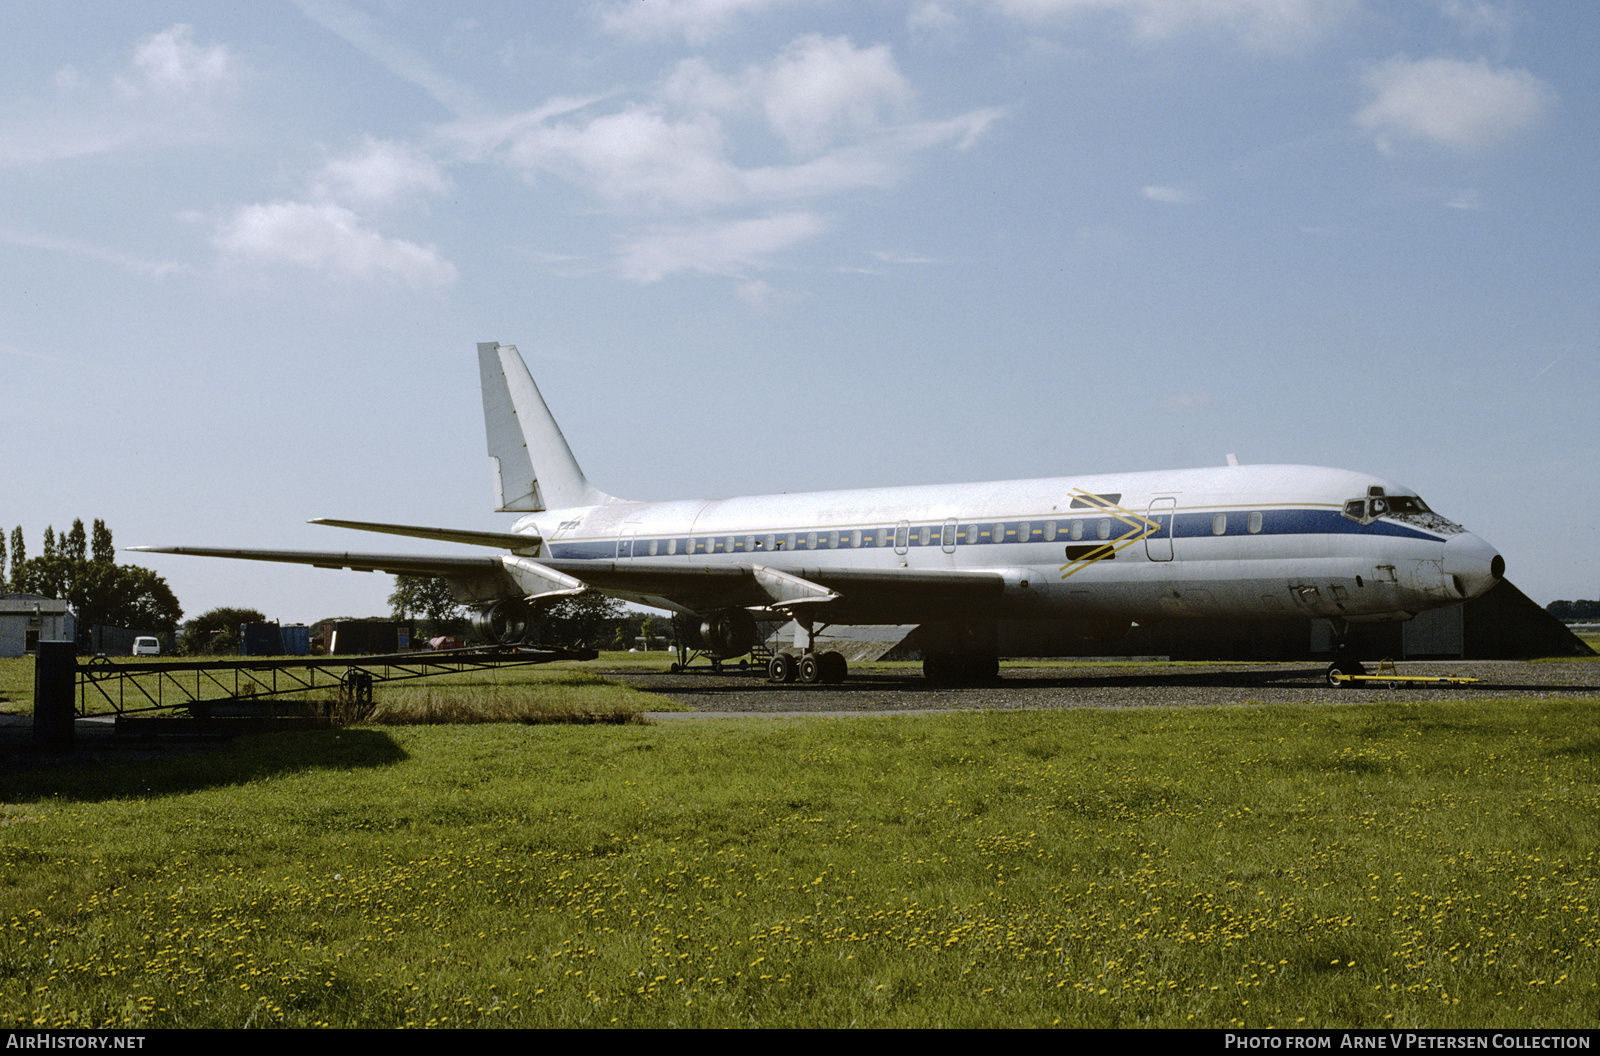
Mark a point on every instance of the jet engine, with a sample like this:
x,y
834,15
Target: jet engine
x,y
731,632
504,622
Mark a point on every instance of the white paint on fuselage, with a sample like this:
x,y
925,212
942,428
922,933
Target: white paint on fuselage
x,y
1353,574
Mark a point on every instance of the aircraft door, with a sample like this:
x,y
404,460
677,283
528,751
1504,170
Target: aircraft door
x,y
1158,544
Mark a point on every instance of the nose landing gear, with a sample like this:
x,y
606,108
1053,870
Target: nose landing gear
x,y
1344,659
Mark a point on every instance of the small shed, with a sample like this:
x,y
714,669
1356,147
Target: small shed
x,y
28,619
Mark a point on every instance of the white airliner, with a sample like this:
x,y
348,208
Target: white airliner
x,y
1093,554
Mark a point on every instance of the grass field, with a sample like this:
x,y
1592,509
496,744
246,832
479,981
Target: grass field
x,y
1416,864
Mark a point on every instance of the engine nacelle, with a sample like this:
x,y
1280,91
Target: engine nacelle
x,y
504,622
728,633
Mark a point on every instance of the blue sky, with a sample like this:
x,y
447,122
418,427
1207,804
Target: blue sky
x,y
781,245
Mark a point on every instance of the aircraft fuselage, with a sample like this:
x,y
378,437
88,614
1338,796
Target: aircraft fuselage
x,y
1244,541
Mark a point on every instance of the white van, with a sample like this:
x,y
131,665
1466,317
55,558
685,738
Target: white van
x,y
146,646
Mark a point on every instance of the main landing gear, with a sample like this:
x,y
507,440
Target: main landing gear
x,y
811,668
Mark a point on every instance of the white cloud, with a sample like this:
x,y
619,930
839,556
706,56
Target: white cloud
x,y
697,20
1466,106
165,95
1195,401
138,265
328,238
1479,18
171,62
381,173
827,100
932,19
1269,24
820,90
1467,201
729,248
357,29
1168,195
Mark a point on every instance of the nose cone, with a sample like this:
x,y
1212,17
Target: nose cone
x,y
1472,564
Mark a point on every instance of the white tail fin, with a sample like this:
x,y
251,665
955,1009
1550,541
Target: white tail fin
x,y
533,466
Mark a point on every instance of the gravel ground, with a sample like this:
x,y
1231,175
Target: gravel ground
x,y
1112,686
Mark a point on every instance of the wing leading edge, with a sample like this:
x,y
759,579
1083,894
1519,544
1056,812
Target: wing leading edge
x,y
833,594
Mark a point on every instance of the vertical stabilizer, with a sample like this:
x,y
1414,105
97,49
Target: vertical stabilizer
x,y
533,466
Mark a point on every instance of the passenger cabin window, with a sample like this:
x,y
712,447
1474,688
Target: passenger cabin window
x,y
1104,530
672,547
1050,531
833,540
653,544
1077,529
855,539
1255,522
811,540
923,535
1219,524
1024,532
972,533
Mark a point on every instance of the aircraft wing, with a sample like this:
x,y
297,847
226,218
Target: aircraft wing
x,y
840,595
395,564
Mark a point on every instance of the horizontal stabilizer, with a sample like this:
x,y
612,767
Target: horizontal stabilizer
x,y
498,540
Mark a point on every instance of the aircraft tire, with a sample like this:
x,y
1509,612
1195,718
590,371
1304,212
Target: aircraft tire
x,y
834,667
1333,677
782,669
810,669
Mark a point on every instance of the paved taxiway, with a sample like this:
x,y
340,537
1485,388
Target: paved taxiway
x,y
1110,686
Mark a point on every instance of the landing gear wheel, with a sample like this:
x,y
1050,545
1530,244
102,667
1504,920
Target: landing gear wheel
x,y
782,668
1335,677
810,669
834,667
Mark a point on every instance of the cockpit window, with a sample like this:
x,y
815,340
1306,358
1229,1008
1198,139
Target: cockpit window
x,y
1408,508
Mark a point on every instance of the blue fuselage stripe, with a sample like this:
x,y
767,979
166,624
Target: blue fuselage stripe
x,y
1046,530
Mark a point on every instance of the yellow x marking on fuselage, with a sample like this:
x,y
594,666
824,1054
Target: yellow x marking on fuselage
x,y
1139,527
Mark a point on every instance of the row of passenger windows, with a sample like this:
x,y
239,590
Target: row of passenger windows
x,y
948,536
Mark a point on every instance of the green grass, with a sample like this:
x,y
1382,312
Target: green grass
x,y
1406,865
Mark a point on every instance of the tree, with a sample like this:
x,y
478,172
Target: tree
x,y
103,550
589,618
102,591
75,544
217,630
19,554
3,579
428,597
